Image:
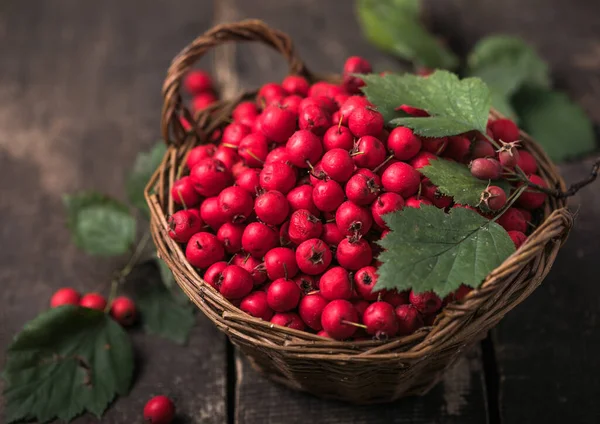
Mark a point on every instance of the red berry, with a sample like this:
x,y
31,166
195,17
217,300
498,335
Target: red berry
x,y
212,275
295,84
281,262
394,298
350,105
304,148
364,282
184,224
527,162
203,250
517,237
272,207
283,295
327,195
365,121
509,155
249,180
435,145
278,123
426,303
360,306
197,81
380,319
288,319
234,133
254,266
355,65
292,104
335,317
278,176
321,102
278,154
310,310
123,310
512,220
236,282
386,203
159,410
304,226
183,192
198,153
415,202
228,156
338,137
504,130
331,234
526,214
401,178
245,111
301,198
431,192
317,174
230,235
494,198
403,143
458,148
353,220
258,239
236,204
255,304
306,283
270,92
369,152
64,296
253,149
211,213
414,111
202,101
486,169
314,119
354,254
482,149
338,165
422,159
336,284
531,199
409,319
313,256
93,301
362,189
210,176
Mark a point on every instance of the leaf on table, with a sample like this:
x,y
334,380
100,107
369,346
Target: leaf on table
x,y
455,179
430,250
163,313
66,361
99,225
143,168
455,106
557,123
395,27
515,61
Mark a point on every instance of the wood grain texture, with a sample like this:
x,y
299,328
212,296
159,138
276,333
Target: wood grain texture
x,y
79,98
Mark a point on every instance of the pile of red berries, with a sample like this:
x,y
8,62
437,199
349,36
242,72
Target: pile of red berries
x,y
122,308
282,213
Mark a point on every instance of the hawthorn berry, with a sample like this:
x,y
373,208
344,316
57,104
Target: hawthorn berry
x,y
203,250
304,226
278,176
310,310
353,220
289,320
337,318
204,151
304,148
403,143
313,256
258,239
380,319
362,189
486,168
295,84
65,296
236,204
327,195
197,81
531,198
365,121
272,207
364,282
301,197
426,302
338,165
336,283
338,137
278,123
354,254
249,180
253,149
93,301
384,204
210,176
234,133
401,178
517,237
254,266
494,198
123,310
283,295
235,282
183,192
159,410
230,235
184,224
281,262
256,304
409,319
369,152
211,213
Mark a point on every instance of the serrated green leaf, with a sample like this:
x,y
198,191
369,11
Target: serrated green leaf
x,y
455,179
395,27
66,361
430,250
455,106
143,168
558,124
163,312
515,60
99,225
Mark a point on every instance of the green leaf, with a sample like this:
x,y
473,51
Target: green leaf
x,y
455,179
165,273
143,168
395,27
558,124
66,361
99,225
428,249
456,106
164,314
515,60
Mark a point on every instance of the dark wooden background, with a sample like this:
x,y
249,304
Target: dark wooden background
x,y
80,96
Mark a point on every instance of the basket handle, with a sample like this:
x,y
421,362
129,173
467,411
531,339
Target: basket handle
x,y
247,30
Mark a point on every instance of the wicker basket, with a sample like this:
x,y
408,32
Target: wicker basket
x,y
359,372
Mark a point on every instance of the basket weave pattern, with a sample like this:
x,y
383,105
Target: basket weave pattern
x,y
359,372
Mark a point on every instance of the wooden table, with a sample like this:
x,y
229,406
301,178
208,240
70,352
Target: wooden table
x,y
80,96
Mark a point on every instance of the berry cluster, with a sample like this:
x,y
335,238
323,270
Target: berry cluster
x,y
282,213
122,308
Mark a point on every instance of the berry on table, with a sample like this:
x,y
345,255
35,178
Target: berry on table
x,y
159,410
123,310
65,296
93,301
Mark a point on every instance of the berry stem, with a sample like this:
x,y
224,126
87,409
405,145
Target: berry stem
x,y
355,324
511,200
382,164
126,270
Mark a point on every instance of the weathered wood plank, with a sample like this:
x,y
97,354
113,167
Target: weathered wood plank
x,y
547,348
79,97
